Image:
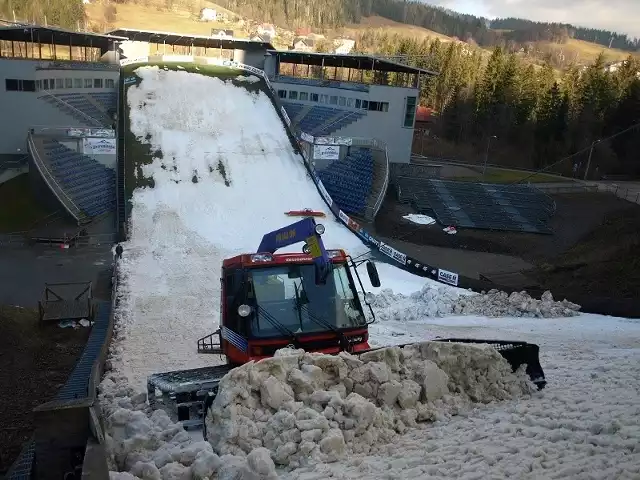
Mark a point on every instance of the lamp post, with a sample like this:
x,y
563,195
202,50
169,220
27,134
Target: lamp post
x,y
486,156
586,171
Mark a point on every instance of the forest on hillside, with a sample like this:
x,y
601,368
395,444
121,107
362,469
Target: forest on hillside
x,y
560,31
62,13
336,13
537,119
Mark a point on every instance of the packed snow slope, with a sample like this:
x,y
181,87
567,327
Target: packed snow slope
x,y
224,173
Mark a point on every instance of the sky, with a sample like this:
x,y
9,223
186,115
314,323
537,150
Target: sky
x,y
617,15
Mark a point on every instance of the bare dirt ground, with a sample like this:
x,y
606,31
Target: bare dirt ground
x,y
593,249
35,362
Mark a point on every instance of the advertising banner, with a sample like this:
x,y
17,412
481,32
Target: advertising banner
x,y
326,152
99,146
333,141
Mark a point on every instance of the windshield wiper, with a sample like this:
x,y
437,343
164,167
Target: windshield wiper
x,y
283,330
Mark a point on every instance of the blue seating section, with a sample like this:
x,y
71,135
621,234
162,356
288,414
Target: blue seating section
x,y
292,109
349,181
321,120
91,185
80,102
106,99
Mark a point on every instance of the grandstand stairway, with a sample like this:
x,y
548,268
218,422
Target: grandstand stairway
x,y
87,185
320,120
88,109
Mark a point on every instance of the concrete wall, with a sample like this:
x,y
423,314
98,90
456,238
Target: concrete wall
x,y
253,58
386,126
27,110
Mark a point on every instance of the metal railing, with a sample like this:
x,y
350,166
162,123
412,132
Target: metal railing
x,y
72,131
50,180
631,195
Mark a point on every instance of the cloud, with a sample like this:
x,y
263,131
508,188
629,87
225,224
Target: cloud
x,y
617,15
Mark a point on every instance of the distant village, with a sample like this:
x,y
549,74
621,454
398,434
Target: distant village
x,y
302,39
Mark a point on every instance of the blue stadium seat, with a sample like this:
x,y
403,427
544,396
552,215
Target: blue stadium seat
x,y
349,181
321,120
90,185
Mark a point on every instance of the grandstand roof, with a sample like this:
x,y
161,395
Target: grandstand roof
x,y
187,40
360,62
16,32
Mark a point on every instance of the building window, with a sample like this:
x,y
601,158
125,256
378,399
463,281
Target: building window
x,y
293,95
410,111
378,106
60,83
45,84
323,98
358,103
342,101
97,83
350,102
365,104
304,96
68,83
52,83
38,84
282,93
314,97
88,83
77,83
14,85
333,100
109,83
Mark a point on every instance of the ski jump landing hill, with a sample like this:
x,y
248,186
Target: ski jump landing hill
x,y
211,165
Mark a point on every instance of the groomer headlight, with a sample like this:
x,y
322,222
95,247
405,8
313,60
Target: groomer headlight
x,y
319,229
244,310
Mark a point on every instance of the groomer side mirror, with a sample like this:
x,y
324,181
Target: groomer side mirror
x,y
372,271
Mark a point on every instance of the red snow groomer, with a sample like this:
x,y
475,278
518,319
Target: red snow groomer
x,y
312,300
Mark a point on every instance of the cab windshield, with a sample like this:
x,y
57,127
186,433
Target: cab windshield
x,y
289,295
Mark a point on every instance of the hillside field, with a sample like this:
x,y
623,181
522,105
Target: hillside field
x,y
183,18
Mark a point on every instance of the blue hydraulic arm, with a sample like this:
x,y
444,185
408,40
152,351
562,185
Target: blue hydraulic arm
x,y
305,230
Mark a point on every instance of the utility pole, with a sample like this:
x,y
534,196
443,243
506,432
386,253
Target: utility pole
x,y
486,156
586,171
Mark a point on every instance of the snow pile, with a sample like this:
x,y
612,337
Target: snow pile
x,y
419,219
435,301
310,407
248,78
146,444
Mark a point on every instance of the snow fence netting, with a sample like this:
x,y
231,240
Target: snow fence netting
x,y
311,407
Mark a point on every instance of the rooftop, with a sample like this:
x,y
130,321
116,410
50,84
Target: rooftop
x,y
16,32
360,62
187,40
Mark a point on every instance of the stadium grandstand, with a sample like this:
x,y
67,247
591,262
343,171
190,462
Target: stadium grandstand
x,y
61,89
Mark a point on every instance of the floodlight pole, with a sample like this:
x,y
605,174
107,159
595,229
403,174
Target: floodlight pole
x,y
586,171
486,156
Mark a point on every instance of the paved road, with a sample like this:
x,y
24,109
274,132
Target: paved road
x,y
24,271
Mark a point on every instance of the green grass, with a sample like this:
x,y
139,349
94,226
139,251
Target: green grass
x,y
19,210
510,176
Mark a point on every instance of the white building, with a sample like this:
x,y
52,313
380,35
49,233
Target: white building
x,y
343,46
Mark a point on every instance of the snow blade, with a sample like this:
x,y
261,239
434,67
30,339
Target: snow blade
x,y
516,353
306,212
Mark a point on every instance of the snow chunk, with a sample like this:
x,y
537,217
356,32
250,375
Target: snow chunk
x,y
437,301
318,407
